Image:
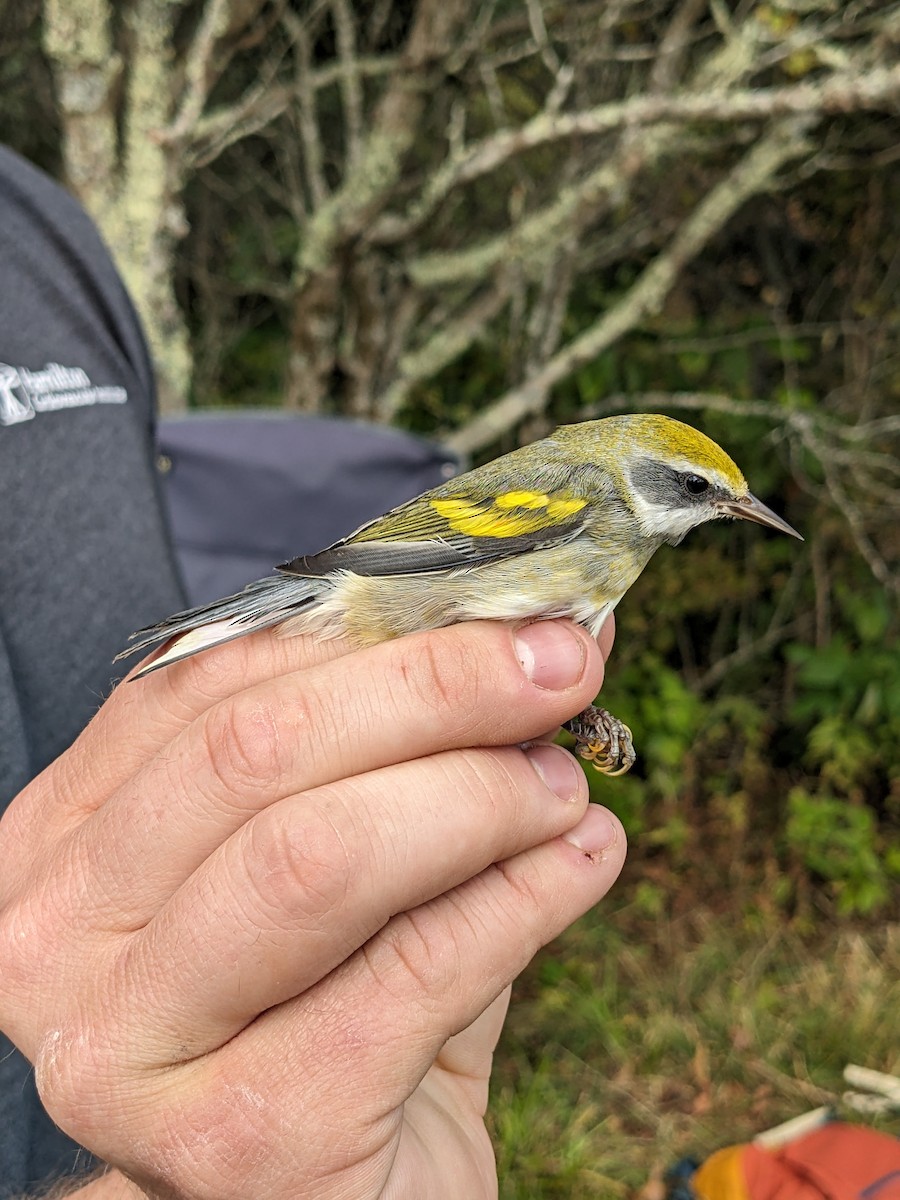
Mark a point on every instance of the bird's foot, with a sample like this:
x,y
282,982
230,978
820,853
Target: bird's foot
x,y
603,740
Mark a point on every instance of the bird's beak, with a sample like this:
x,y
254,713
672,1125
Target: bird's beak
x,y
751,509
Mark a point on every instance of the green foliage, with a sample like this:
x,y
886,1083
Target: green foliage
x,y
840,843
856,682
750,767
255,362
747,740
848,705
710,760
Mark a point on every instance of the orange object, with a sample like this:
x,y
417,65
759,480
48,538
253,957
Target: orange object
x,y
836,1162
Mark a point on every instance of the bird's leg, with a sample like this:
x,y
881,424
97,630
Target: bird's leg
x,y
603,740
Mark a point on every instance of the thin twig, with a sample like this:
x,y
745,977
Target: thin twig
x,y
200,68
754,172
454,337
673,47
351,88
264,103
307,118
844,91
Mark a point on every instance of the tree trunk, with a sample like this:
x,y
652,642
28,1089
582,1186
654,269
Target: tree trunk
x,y
126,175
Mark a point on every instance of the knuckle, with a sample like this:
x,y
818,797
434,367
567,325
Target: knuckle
x,y
490,779
243,742
16,951
524,893
169,1149
417,959
72,1073
444,678
445,672
34,934
228,1167
522,908
298,865
501,779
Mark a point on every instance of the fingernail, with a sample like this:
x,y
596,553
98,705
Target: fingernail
x,y
551,654
596,831
558,769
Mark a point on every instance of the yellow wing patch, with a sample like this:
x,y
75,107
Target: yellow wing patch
x,y
522,500
557,509
511,514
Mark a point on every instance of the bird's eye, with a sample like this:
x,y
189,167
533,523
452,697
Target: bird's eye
x,y
696,484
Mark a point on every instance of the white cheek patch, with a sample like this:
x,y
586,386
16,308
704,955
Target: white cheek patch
x,y
660,521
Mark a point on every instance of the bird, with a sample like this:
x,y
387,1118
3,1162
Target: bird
x,y
559,528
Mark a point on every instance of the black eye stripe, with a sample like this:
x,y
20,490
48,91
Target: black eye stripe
x,y
696,485
660,484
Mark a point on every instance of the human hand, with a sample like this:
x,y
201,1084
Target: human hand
x,y
259,922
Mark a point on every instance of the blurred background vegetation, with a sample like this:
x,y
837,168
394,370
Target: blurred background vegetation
x,y
477,220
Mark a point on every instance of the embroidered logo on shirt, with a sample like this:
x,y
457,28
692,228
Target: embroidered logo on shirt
x,y
25,393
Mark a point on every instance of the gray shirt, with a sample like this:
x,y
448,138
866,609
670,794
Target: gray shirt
x,y
84,551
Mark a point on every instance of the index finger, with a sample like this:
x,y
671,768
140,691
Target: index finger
x,y
142,717
186,689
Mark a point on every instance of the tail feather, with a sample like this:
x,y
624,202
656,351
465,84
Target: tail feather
x,y
260,605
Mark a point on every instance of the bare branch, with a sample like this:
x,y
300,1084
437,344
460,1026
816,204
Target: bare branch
x,y
549,309
539,33
259,107
845,91
264,103
763,645
474,39
452,339
686,401
199,68
394,125
854,518
753,173
875,428
673,46
78,41
307,118
535,239
351,89
492,90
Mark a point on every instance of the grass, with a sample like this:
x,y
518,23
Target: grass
x,y
639,1037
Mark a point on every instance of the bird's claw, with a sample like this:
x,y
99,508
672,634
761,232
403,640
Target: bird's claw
x,y
603,740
